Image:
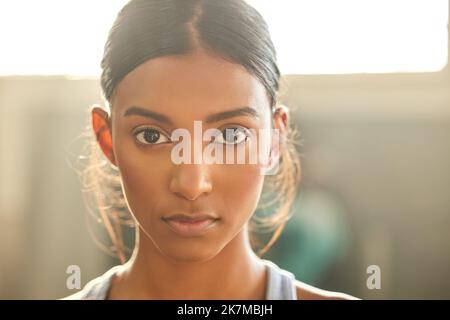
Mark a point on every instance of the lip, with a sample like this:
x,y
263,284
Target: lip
x,y
190,225
190,217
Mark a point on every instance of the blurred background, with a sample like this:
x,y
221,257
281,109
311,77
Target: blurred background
x,y
369,86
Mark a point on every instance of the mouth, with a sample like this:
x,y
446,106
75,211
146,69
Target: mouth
x,y
190,225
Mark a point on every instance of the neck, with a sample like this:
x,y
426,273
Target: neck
x,y
234,273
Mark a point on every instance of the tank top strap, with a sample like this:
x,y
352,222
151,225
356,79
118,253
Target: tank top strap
x,y
97,288
280,283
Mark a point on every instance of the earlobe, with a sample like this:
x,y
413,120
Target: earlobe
x,y
102,130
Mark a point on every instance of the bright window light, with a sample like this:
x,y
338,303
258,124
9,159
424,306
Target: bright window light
x,y
358,36
311,36
54,36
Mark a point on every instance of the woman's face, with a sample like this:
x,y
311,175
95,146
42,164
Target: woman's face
x,y
178,90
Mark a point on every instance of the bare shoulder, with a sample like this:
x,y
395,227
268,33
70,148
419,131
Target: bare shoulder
x,y
308,292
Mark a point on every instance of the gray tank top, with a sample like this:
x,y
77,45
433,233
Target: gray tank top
x,y
280,285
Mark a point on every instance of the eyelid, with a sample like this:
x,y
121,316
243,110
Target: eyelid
x,y
248,131
142,128
233,125
245,130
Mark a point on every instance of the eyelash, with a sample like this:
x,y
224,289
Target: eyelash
x,y
144,129
244,130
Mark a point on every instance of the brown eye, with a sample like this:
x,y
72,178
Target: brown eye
x,y
233,135
150,136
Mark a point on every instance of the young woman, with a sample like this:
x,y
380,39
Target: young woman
x,y
175,64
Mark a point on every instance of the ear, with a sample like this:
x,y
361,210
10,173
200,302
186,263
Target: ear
x,y
280,123
101,125
281,117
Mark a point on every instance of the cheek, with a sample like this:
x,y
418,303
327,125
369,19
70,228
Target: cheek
x,y
142,176
241,186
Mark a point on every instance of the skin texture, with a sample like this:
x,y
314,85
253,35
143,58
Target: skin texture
x,y
219,264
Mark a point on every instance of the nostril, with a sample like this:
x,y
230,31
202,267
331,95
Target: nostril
x,y
190,184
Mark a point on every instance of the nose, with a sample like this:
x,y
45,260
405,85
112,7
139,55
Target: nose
x,y
190,181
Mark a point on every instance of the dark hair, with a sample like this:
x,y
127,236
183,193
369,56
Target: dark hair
x,y
146,29
232,29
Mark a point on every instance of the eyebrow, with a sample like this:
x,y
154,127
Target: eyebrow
x,y
144,112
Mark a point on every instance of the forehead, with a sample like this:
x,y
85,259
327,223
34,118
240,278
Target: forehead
x,y
195,84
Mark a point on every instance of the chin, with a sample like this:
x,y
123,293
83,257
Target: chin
x,y
186,254
188,249
199,249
